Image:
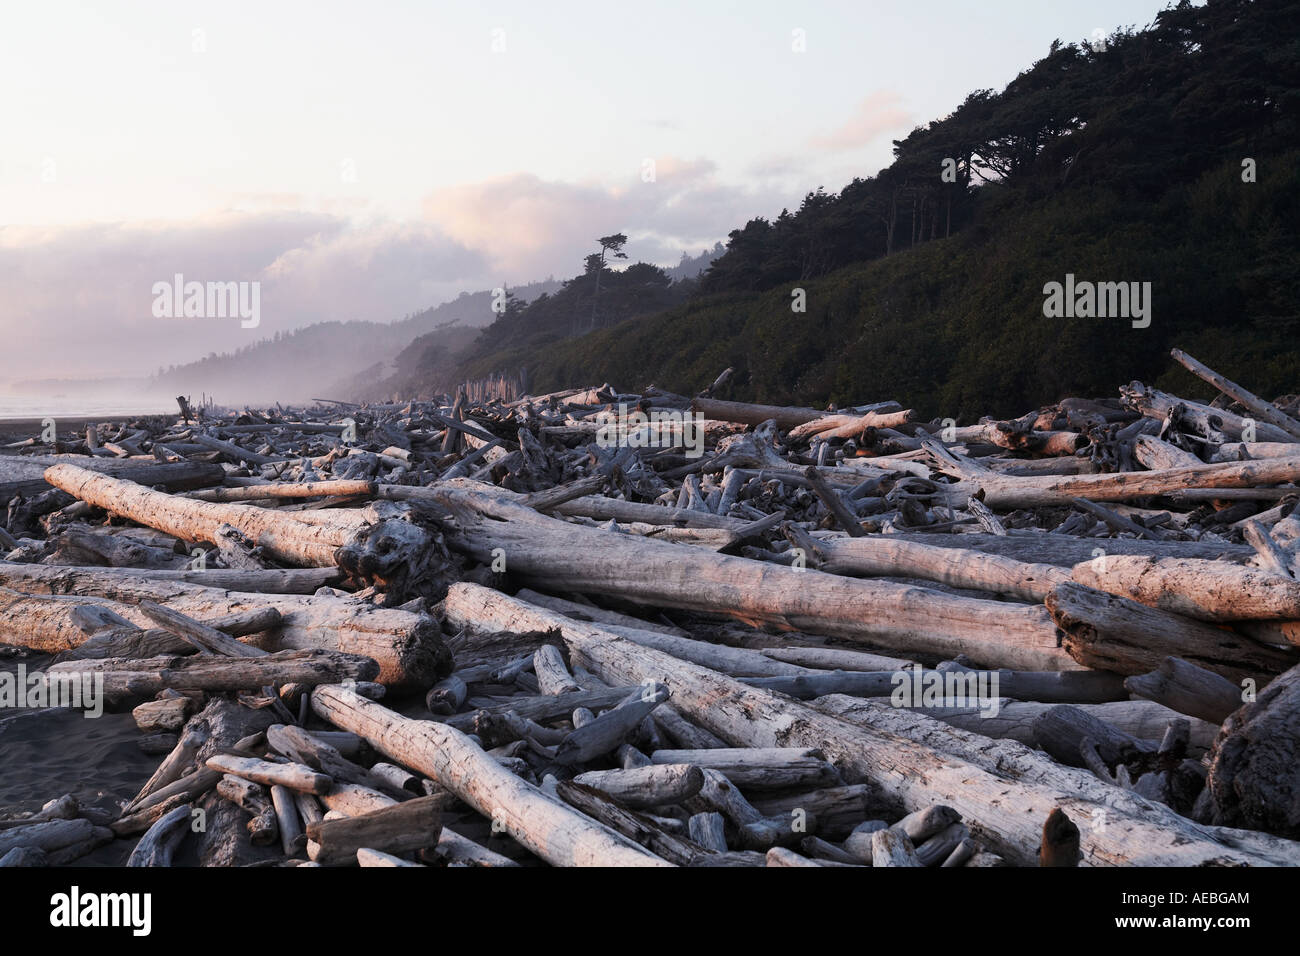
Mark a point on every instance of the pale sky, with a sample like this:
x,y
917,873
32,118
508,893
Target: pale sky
x,y
365,160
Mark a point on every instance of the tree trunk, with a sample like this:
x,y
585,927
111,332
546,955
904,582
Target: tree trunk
x,y
551,830
553,555
1007,808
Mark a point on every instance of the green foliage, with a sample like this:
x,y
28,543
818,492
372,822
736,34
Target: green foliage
x,y
1121,164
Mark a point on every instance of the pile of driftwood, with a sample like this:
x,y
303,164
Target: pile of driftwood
x,y
594,628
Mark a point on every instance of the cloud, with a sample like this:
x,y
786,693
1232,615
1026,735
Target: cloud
x,y
530,227
880,112
78,300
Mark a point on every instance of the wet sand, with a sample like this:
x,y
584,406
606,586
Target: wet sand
x,y
49,752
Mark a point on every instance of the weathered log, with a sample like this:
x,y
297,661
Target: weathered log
x,y
288,820
204,638
366,857
883,555
48,836
654,786
456,850
400,828
1012,491
830,658
543,708
1255,764
263,825
345,488
1206,590
291,776
553,554
1001,807
638,827
545,826
407,646
552,673
1061,731
128,678
611,728
915,687
169,713
175,476
1255,405
758,768
157,642
892,848
1013,720
159,844
1154,454
1114,633
1159,405
588,612
1066,551
1188,689
370,544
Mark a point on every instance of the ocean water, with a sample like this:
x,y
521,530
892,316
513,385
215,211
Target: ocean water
x,y
70,406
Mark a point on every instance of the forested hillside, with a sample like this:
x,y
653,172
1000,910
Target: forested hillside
x,y
1166,155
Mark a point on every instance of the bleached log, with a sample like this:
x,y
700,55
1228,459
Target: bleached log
x,y
141,678
1006,492
1067,550
1001,807
660,785
288,820
1056,686
407,646
1013,720
611,728
550,553
892,848
291,776
586,612
1155,454
403,827
1114,633
204,638
1206,590
370,544
1154,403
1261,409
545,826
263,825
832,658
366,857
759,768
1188,689
882,555
156,642
552,673
343,488
779,856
